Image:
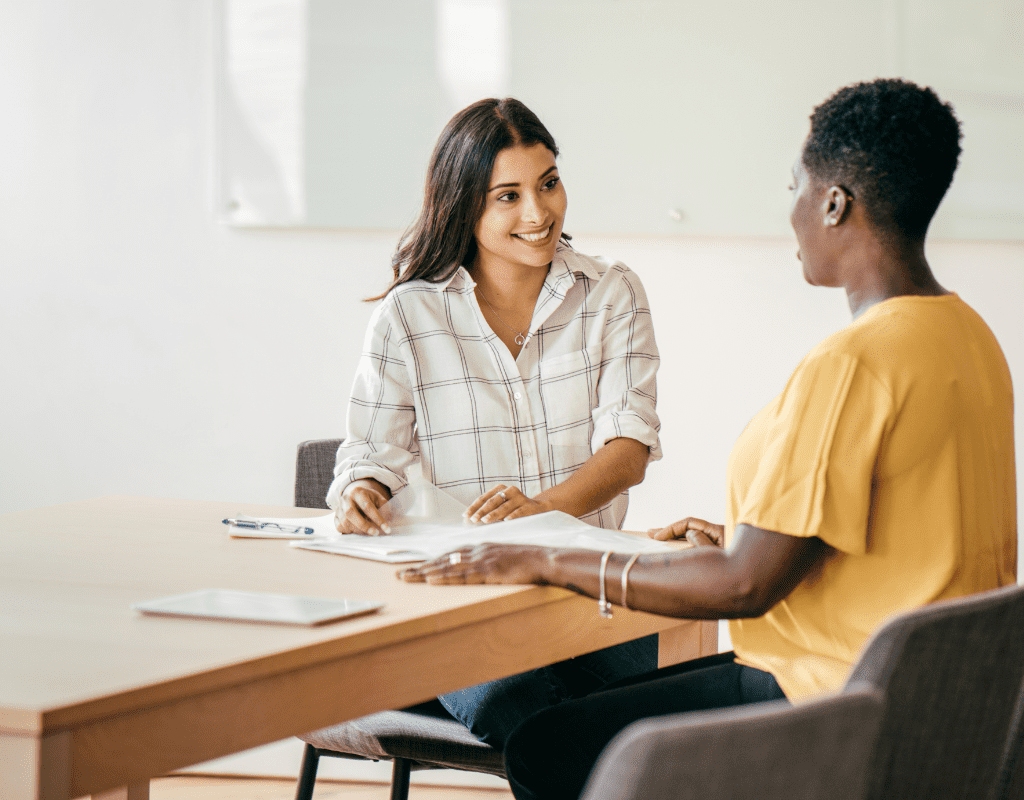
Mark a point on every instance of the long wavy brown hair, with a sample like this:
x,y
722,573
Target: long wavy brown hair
x,y
442,239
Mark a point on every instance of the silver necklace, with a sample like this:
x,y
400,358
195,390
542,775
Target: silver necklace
x,y
520,335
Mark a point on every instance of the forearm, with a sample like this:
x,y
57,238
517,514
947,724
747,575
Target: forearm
x,y
620,464
700,583
758,570
387,474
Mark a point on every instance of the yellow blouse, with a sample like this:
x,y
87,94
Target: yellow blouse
x,y
893,443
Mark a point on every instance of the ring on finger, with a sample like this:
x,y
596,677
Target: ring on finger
x,y
501,494
455,558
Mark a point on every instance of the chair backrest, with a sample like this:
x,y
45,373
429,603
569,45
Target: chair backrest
x,y
951,673
1011,774
314,471
766,751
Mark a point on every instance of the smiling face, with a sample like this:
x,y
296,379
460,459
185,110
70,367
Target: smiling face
x,y
523,212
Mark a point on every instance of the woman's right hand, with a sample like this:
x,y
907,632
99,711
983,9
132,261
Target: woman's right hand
x,y
359,512
698,532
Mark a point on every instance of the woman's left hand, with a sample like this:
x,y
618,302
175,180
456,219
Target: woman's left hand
x,y
484,563
504,503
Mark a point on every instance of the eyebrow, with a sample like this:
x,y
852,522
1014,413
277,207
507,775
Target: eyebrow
x,y
552,168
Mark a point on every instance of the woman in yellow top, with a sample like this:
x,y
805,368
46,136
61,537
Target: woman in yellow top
x,y
882,478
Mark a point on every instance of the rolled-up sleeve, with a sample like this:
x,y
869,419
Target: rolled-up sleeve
x,y
627,388
381,423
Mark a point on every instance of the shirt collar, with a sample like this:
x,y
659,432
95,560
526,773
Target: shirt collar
x,y
565,266
567,263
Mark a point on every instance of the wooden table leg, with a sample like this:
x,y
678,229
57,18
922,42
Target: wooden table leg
x,y
139,791
34,768
689,640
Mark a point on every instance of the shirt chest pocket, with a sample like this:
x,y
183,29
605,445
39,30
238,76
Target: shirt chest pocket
x,y
568,388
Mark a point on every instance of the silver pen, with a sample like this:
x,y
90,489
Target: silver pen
x,y
258,525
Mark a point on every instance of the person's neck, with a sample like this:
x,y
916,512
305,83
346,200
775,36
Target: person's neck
x,y
507,287
884,267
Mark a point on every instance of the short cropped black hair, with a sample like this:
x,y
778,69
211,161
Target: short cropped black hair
x,y
892,144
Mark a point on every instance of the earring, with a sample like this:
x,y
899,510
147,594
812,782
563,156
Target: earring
x,y
833,221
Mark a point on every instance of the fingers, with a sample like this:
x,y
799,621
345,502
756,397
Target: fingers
x,y
501,502
715,533
677,530
694,530
359,512
484,563
526,510
456,567
699,538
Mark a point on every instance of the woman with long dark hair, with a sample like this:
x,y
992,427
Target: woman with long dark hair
x,y
882,478
516,372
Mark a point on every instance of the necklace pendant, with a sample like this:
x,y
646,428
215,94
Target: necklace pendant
x,y
520,339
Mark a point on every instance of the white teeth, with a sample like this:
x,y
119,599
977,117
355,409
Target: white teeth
x,y
534,237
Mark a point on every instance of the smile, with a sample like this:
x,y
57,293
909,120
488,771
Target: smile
x,y
534,237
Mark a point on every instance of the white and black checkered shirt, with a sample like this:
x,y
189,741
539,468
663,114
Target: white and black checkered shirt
x,y
435,382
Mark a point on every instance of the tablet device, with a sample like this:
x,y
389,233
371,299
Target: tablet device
x,y
282,609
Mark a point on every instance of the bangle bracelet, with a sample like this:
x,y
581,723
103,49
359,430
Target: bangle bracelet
x,y
603,606
625,579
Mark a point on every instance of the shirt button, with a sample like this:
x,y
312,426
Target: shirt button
x,y
518,395
528,453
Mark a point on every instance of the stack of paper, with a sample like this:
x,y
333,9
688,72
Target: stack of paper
x,y
426,523
423,541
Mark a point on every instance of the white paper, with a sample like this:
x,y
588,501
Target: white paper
x,y
322,527
421,543
426,523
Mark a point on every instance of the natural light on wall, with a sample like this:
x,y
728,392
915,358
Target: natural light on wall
x,y
264,64
328,110
473,49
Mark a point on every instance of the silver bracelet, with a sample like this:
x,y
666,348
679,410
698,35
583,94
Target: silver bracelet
x,y
625,579
603,606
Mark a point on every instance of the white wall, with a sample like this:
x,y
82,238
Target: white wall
x,y
147,349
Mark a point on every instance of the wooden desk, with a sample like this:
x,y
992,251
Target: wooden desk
x,y
97,699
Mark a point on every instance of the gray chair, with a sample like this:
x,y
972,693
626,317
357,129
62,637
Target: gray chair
x,y
421,737
769,751
1011,772
314,471
951,675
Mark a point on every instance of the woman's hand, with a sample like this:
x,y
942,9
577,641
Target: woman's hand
x,y
484,563
698,532
504,503
359,508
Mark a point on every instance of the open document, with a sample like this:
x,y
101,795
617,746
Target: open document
x,y
426,523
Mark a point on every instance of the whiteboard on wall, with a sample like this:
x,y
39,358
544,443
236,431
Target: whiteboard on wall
x,y
672,117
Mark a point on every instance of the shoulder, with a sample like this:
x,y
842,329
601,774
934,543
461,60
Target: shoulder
x,y
595,268
605,276
907,334
411,303
908,342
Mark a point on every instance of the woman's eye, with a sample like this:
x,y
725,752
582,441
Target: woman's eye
x,y
552,183
507,197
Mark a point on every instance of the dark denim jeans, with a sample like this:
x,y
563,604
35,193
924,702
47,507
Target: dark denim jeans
x,y
550,755
493,710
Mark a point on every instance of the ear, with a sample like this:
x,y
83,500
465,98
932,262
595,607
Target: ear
x,y
837,205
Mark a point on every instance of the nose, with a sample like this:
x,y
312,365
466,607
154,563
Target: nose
x,y
533,209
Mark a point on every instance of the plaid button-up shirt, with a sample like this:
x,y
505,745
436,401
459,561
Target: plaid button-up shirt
x,y
435,384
